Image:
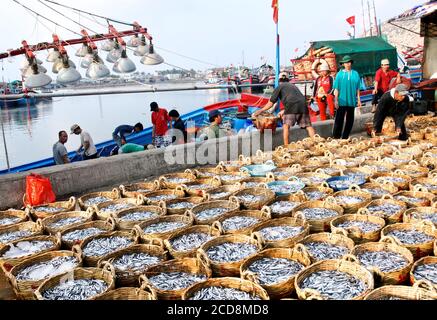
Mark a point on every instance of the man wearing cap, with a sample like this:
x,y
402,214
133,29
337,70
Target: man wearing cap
x,y
347,98
296,110
87,143
383,78
395,104
161,123
215,119
323,92
178,124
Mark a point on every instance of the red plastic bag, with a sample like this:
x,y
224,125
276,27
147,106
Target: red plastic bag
x,y
38,191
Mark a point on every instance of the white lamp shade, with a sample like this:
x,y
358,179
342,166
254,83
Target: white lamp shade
x,y
151,59
97,71
68,75
124,65
53,56
37,81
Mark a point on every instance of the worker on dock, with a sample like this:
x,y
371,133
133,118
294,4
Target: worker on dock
x,y
215,118
124,130
395,104
161,123
323,92
60,154
87,143
178,125
384,76
296,110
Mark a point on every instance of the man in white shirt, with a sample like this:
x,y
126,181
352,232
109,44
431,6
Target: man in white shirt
x,y
90,151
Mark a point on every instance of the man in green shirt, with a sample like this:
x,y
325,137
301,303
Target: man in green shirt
x,y
347,98
130,147
214,129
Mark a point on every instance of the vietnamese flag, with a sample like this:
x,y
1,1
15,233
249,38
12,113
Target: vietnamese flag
x,y
275,7
351,20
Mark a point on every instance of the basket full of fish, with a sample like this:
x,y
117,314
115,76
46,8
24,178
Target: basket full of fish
x,y
156,197
60,222
163,227
201,186
223,193
387,208
127,219
110,208
133,190
95,198
254,198
208,212
50,209
20,231
173,180
424,269
419,291
353,199
283,206
415,215
361,228
242,222
11,217
144,293
180,206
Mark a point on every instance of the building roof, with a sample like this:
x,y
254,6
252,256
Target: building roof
x,y
417,12
361,45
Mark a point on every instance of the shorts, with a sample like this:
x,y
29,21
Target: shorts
x,y
301,119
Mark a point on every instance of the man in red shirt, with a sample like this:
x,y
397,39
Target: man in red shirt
x,y
161,123
323,89
383,78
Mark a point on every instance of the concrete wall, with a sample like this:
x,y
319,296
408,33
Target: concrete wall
x,y
105,173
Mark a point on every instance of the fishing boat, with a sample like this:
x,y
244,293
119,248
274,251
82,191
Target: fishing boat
x,y
231,111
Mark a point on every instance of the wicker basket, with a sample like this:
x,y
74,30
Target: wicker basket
x,y
399,159
332,170
18,215
364,171
354,191
201,186
112,195
323,188
414,215
105,226
177,193
145,293
208,172
79,273
380,166
158,211
255,182
186,220
8,263
355,233
233,283
277,290
331,238
265,194
63,206
194,201
298,197
350,162
133,190
312,179
35,229
424,197
261,215
403,292
213,232
234,166
93,261
297,221
395,218
418,250
232,178
166,183
324,224
227,191
129,278
387,244
85,216
187,265
104,215
351,268
388,187
425,183
284,174
225,269
231,206
424,260
25,289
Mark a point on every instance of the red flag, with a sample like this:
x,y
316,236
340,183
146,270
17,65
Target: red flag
x,y
351,20
275,7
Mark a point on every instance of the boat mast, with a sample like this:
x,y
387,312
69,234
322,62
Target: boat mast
x,y
3,128
370,19
364,18
376,19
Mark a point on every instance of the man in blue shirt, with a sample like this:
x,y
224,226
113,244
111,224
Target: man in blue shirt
x,y
122,131
347,98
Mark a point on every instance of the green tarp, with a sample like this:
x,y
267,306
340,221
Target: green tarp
x,y
366,52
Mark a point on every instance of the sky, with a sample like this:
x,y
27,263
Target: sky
x,y
218,33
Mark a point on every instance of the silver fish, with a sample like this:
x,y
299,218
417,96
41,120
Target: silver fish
x,y
163,227
387,208
223,294
410,199
411,236
135,262
376,192
326,251
239,223
201,187
81,289
280,233
117,207
190,241
15,235
82,234
230,177
211,213
9,221
178,180
283,207
393,179
249,198
426,272
386,261
349,200
172,281
63,223
48,209
103,246
181,205
290,188
430,217
164,197
139,216
273,270
47,269
334,285
364,226
220,195
319,213
95,201
316,195
26,248
231,252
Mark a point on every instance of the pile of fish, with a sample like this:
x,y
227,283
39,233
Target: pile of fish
x,y
181,205
249,198
135,262
251,184
345,184
393,179
283,207
280,232
103,246
81,234
47,269
116,207
172,281
220,195
325,251
143,190
231,177
349,200
334,285
80,289
426,272
190,241
200,186
164,197
430,217
15,235
319,213
95,201
315,195
211,213
178,180
274,270
63,223
239,223
411,237
9,220
26,248
163,227
364,226
376,192
386,261
387,209
430,187
223,294
138,216
48,209
410,199
231,252
285,188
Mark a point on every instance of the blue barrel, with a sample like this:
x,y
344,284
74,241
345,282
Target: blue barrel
x,y
239,124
